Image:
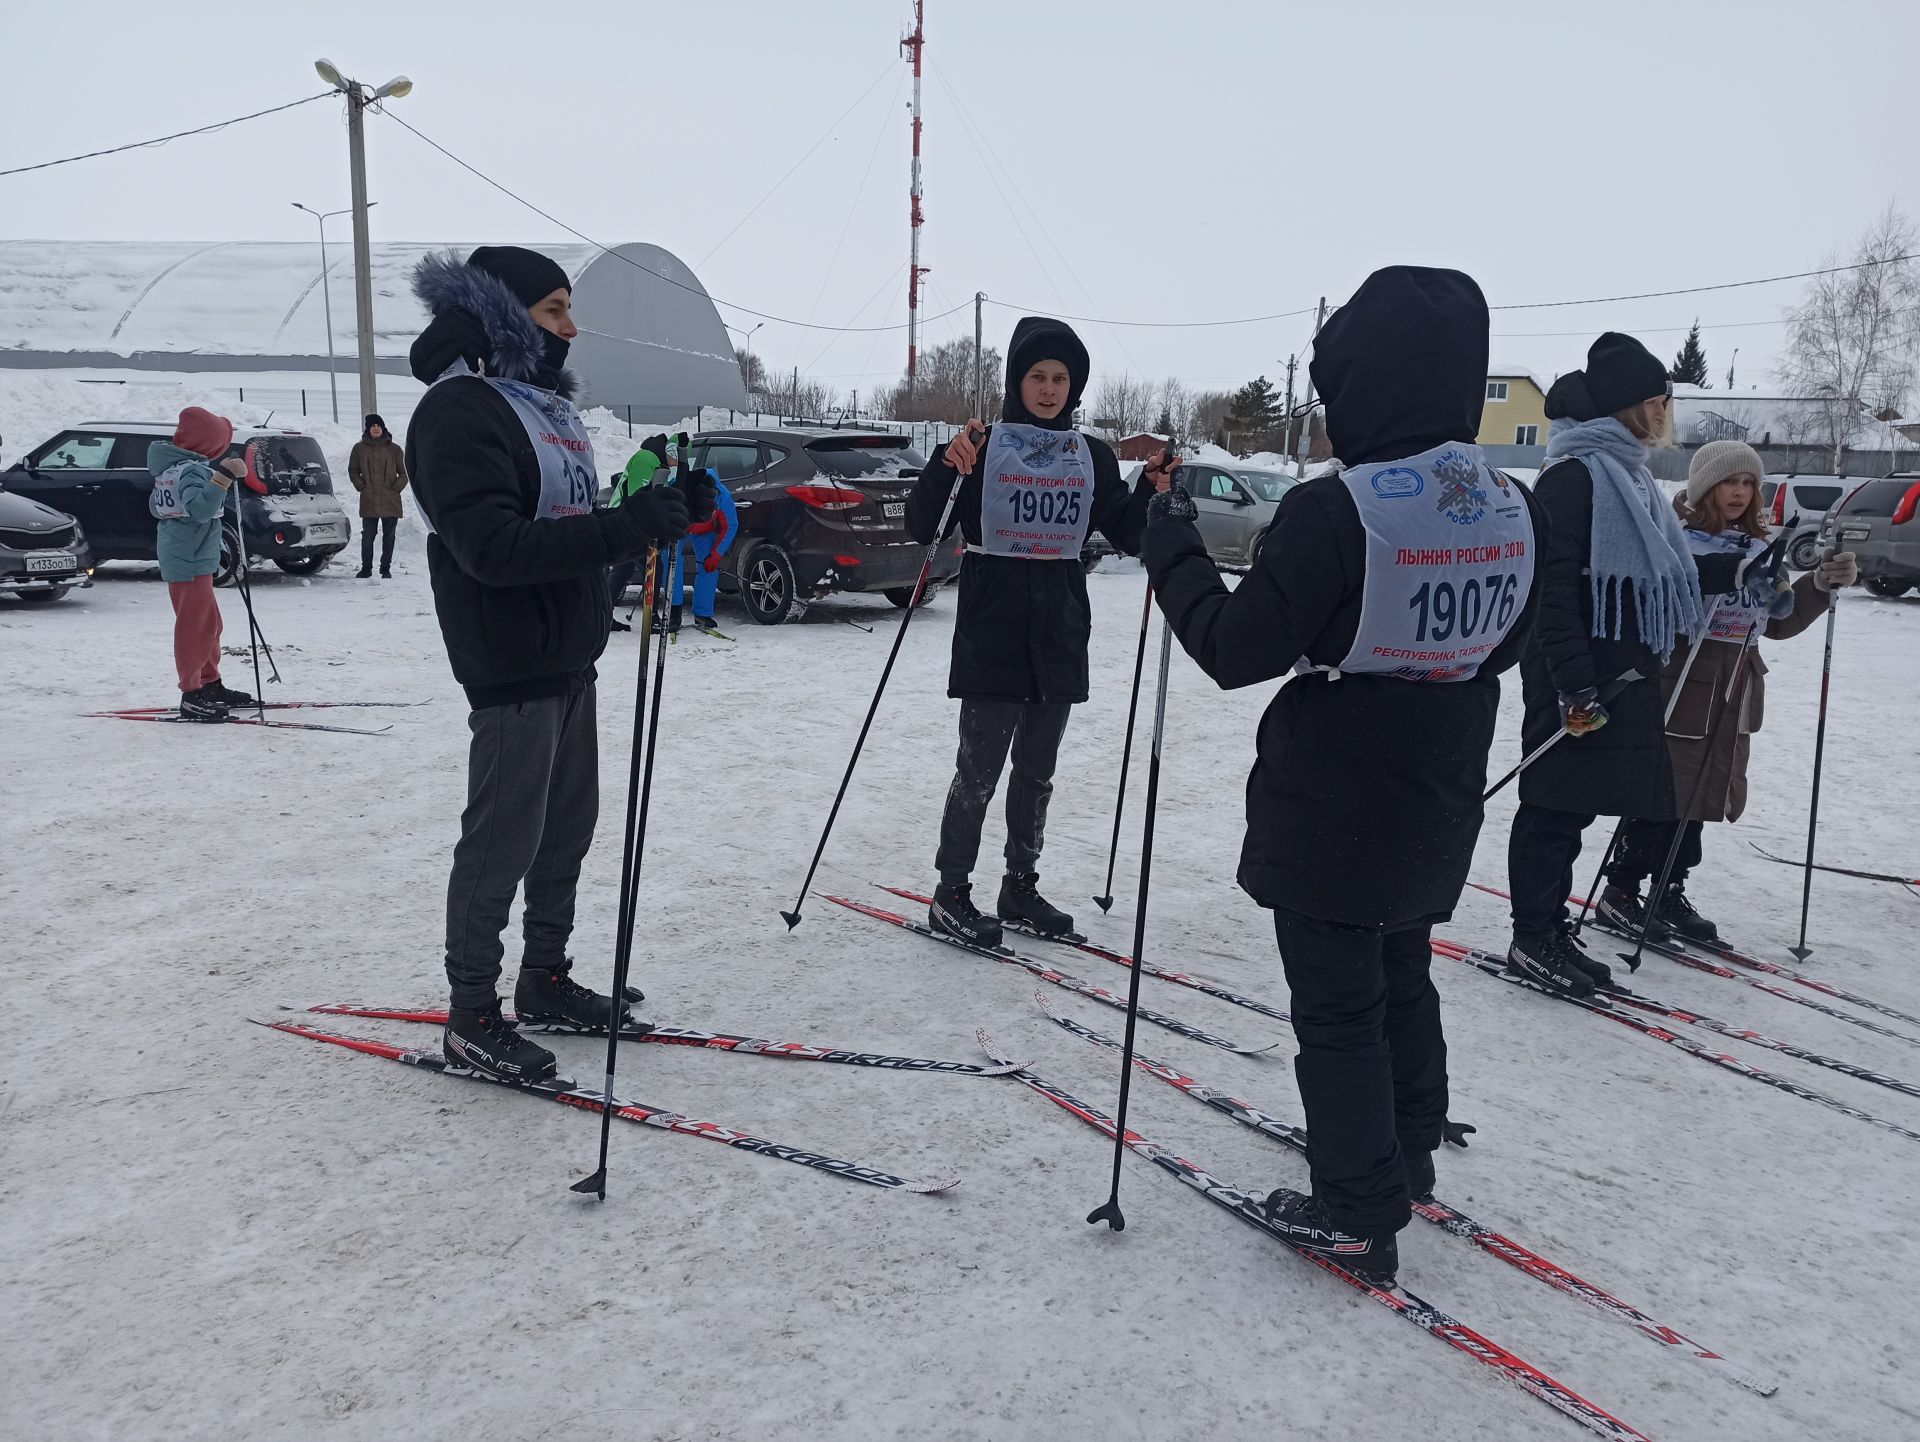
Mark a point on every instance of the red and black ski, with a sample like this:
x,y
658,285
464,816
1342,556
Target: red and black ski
x,y
1397,1299
1448,1218
1120,958
137,711
681,1036
1048,974
568,1094
171,715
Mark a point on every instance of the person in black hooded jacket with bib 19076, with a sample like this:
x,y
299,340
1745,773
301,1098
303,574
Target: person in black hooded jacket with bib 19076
x,y
1030,491
1401,588
503,471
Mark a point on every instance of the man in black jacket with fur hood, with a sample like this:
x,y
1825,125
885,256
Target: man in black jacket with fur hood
x,y
1401,587
503,471
1030,488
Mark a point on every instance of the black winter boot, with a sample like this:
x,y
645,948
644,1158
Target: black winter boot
x,y
479,1040
554,1001
1677,914
1621,908
221,692
201,705
1550,964
1597,972
1020,900
954,913
1371,1256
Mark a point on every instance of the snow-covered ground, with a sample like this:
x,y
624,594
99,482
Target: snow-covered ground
x,y
210,1230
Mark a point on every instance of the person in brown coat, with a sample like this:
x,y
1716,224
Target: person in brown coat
x,y
378,469
1721,510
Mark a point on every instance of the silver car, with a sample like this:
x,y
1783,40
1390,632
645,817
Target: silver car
x,y
1236,505
1879,521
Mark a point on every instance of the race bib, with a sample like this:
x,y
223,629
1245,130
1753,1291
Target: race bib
x,y
1449,563
1036,493
163,501
561,444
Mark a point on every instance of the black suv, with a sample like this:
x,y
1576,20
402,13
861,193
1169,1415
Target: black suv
x,y
98,474
821,510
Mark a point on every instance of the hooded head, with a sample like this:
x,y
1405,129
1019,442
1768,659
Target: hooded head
x,y
203,433
1038,338
480,317
1402,366
366,431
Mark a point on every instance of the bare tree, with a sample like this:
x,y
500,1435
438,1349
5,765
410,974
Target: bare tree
x,y
1123,404
1207,417
753,372
943,385
1174,404
1851,340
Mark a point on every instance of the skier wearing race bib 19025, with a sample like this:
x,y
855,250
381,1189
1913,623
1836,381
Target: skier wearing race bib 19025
x,y
1399,589
502,469
1030,489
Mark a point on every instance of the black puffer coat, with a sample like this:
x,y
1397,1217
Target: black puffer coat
x,y
1023,626
522,602
1364,804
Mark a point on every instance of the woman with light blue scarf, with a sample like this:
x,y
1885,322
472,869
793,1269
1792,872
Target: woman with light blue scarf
x,y
1619,589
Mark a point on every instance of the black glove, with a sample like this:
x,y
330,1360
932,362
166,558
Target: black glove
x,y
700,491
1172,504
1457,1132
658,445
655,515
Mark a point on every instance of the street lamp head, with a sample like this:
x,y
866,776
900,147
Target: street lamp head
x,y
397,87
330,73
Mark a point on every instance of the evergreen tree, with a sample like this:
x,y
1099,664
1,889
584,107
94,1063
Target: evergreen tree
x,y
1164,426
1690,366
1254,415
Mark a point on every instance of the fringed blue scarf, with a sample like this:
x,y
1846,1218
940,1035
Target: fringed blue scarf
x,y
1637,538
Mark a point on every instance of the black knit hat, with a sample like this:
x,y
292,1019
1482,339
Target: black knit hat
x,y
1621,372
531,276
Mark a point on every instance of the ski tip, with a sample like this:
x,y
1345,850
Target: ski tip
x,y
596,1185
1003,1068
1105,903
933,1188
991,1047
792,919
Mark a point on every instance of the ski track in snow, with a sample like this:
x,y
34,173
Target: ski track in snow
x,y
211,1230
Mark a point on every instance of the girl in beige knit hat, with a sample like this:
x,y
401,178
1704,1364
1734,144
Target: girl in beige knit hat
x,y
1721,510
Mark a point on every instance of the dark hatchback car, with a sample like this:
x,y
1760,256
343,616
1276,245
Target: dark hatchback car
x,y
821,510
43,552
97,473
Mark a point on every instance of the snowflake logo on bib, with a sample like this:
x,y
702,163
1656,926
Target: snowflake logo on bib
x,y
1462,498
1041,447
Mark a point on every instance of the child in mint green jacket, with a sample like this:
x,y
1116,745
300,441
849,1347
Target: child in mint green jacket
x,y
188,498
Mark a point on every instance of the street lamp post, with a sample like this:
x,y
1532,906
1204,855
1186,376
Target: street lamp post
x,y
746,339
358,99
326,295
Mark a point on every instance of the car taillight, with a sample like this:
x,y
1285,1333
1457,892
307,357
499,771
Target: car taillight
x,y
252,478
1780,504
826,498
846,560
1909,503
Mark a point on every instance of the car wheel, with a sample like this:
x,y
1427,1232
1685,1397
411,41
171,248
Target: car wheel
x,y
305,565
901,595
40,598
1888,586
1804,553
768,587
229,557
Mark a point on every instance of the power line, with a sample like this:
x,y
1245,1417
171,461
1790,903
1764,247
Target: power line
x,y
1701,289
1153,324
162,140
609,250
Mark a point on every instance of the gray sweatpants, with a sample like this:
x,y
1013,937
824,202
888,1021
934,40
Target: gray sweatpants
x,y
533,795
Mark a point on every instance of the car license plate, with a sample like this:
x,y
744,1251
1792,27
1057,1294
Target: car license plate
x,y
50,561
894,510
325,531
1855,533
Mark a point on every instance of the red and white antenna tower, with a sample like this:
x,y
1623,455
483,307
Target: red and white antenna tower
x,y
914,44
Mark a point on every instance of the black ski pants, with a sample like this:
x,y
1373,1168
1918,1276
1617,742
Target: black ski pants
x,y
1373,1062
1540,855
1643,851
387,526
533,795
988,730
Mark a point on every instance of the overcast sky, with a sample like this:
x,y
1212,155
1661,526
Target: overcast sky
x,y
1111,158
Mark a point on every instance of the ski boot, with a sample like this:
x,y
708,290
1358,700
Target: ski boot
x,y
954,913
234,700
480,1040
202,705
552,1000
1373,1257
620,625
1598,972
1020,900
1550,964
1677,915
1621,908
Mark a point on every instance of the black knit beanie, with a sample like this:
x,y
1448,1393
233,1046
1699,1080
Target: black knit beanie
x,y
1621,372
531,276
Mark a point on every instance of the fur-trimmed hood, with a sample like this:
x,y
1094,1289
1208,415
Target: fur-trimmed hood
x,y
470,305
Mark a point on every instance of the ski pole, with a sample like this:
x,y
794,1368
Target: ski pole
x,y
792,918
1109,1210
1613,843
1735,696
254,636
1802,951
1612,689
1105,900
